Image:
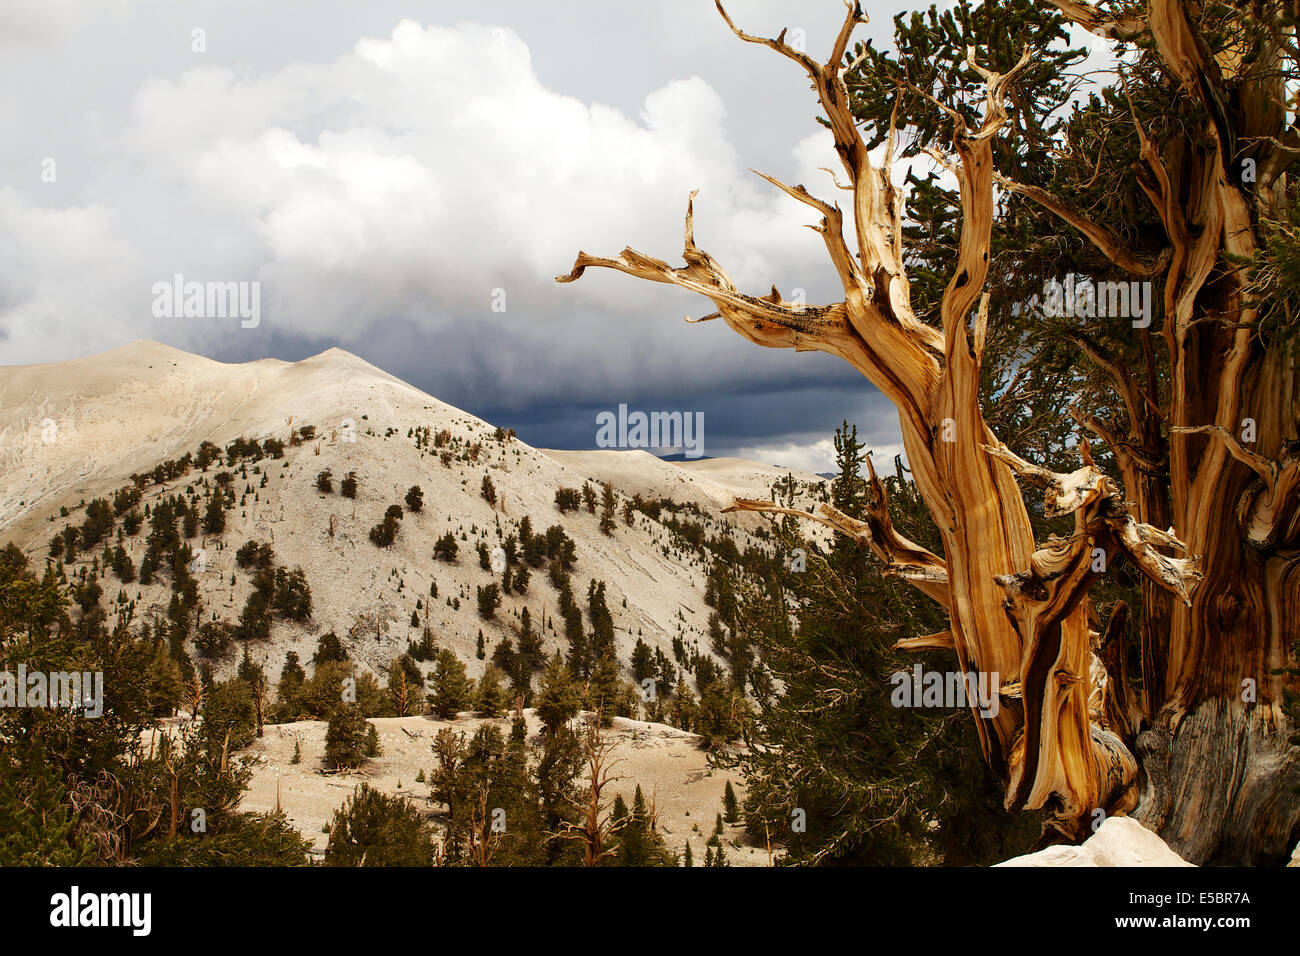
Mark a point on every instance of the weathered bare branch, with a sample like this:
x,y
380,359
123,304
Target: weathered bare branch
x,y
1130,24
903,558
942,641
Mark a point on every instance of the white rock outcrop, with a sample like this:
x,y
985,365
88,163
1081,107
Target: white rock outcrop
x,y
1119,841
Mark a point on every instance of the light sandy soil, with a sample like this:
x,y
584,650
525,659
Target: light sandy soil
x,y
668,764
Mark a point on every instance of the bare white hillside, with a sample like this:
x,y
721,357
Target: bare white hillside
x,y
127,410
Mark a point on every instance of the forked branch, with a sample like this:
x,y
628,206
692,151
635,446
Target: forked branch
x,y
1102,519
902,557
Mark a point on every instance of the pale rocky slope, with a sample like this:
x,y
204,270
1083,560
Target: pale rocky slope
x,y
128,409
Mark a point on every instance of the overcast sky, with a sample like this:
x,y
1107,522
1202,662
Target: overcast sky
x,y
383,168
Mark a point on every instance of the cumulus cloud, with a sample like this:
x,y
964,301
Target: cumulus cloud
x,y
817,457
58,264
419,173
391,200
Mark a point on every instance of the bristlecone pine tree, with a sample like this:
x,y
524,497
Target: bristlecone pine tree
x,y
1174,174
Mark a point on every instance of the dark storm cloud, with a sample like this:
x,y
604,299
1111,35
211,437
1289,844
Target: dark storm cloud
x,y
775,416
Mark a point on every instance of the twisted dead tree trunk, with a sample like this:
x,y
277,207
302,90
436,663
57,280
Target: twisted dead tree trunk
x,y
1222,589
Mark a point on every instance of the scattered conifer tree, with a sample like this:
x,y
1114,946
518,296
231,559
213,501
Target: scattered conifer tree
x,y
375,829
730,805
345,737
